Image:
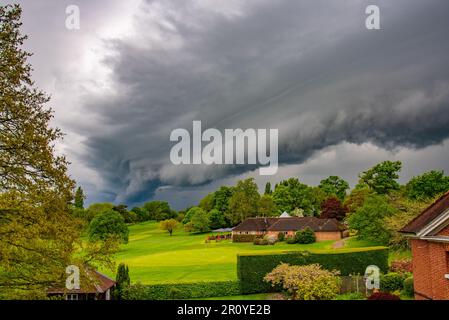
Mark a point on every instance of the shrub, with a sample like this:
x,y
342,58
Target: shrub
x,y
350,296
309,282
290,240
271,240
107,224
408,286
305,236
251,269
243,237
122,279
383,296
391,282
281,236
181,290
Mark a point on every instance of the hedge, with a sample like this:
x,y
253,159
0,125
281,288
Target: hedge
x,y
244,237
181,290
251,269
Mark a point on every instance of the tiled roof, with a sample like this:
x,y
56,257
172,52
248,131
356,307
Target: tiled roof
x,y
99,283
428,215
255,224
289,224
298,223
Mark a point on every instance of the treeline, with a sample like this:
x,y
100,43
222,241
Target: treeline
x,y
376,208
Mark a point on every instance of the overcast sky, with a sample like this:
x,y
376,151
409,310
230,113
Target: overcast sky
x,y
343,97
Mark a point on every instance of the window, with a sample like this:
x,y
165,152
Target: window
x,y
71,297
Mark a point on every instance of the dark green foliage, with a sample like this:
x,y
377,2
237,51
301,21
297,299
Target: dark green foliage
x,y
251,269
382,178
268,188
243,238
391,282
369,221
305,236
281,236
122,279
427,185
142,214
159,210
128,216
199,220
290,240
244,202
291,194
181,290
409,289
216,219
334,186
79,198
107,224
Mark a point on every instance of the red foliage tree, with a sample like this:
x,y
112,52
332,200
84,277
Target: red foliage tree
x,y
333,208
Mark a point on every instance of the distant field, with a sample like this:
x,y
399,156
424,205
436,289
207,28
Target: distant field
x,y
155,257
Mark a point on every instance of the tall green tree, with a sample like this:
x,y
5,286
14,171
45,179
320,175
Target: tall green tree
x,y
37,233
79,198
370,219
428,185
334,185
382,178
122,278
291,193
159,210
199,221
106,225
244,202
267,207
268,190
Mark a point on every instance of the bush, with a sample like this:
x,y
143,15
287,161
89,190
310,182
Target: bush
x,y
290,240
305,236
309,282
107,224
350,296
383,296
181,290
408,286
281,236
271,240
260,242
251,269
243,237
391,282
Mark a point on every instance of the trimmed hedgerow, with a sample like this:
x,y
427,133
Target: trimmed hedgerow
x,y
251,269
244,237
181,290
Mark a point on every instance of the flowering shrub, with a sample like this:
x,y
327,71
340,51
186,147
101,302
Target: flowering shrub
x,y
401,266
309,282
383,296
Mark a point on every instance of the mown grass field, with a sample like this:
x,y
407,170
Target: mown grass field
x,y
155,257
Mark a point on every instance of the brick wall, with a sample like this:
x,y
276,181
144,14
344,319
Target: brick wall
x,y
430,264
328,235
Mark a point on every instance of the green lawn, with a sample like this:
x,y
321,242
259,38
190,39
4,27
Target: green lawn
x,y
155,257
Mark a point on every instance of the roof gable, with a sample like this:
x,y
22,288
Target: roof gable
x,y
432,217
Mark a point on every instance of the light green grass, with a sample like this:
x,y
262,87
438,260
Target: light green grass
x,y
155,257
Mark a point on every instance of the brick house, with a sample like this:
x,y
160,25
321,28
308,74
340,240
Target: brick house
x,y
429,239
325,229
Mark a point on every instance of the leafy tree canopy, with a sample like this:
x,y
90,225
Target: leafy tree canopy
x,y
382,178
108,224
334,185
428,185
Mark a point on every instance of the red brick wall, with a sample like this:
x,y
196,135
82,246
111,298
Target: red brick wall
x,y
430,264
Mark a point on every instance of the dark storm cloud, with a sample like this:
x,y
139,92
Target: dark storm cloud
x,y
309,68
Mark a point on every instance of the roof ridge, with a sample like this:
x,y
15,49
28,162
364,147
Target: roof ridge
x,y
434,203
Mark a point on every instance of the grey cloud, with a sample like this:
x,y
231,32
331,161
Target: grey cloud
x,y
309,68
